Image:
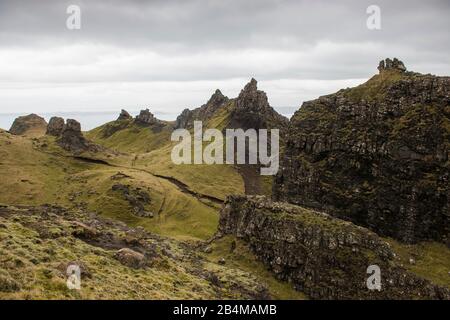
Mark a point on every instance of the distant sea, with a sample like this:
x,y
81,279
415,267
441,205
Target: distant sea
x,y
91,120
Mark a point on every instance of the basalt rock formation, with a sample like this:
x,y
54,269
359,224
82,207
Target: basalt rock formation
x,y
55,126
72,139
324,257
26,124
376,154
389,64
145,117
124,115
252,110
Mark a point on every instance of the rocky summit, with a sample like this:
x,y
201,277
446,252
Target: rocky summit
x,y
29,124
253,110
376,154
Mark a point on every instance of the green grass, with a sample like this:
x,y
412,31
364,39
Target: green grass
x,y
375,88
177,214
132,138
33,267
432,260
33,177
242,258
151,151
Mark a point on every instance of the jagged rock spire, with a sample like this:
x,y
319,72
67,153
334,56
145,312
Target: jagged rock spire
x,y
145,117
216,99
252,98
388,64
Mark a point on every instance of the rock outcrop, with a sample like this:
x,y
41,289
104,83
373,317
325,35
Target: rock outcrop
x,y
184,120
31,123
136,197
145,117
203,113
72,139
376,154
389,64
252,110
55,126
324,257
131,258
124,115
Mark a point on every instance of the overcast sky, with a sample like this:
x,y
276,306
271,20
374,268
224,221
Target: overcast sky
x,y
169,55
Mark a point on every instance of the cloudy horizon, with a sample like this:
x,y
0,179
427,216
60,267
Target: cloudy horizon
x,y
171,55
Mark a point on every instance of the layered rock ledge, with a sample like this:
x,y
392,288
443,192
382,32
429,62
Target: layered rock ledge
x,y
324,257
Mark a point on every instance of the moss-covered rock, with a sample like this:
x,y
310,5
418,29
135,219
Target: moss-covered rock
x,y
324,257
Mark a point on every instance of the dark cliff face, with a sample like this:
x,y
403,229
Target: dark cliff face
x,y
376,154
324,257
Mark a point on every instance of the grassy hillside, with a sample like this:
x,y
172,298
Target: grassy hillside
x,y
126,136
35,175
36,245
150,149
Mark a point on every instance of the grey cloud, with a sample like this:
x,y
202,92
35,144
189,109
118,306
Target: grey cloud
x,y
200,24
213,40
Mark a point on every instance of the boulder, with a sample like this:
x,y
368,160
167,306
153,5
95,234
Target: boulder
x,y
55,126
131,258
